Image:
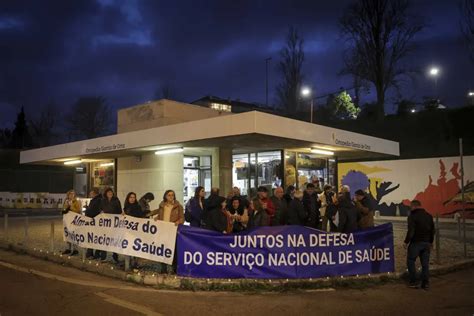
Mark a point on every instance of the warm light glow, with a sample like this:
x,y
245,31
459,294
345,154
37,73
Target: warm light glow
x,y
169,151
221,107
72,162
471,94
107,164
322,152
434,71
412,110
305,91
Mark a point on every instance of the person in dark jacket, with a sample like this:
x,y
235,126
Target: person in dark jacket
x,y
348,215
145,202
110,205
312,204
297,214
218,218
365,209
244,202
194,207
212,202
257,217
419,241
263,203
290,193
281,207
239,215
131,207
92,210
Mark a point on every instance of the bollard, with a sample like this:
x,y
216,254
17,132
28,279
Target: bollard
x,y
5,225
437,239
127,263
51,236
25,242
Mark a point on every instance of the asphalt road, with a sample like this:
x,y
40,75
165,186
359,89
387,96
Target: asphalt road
x,y
34,287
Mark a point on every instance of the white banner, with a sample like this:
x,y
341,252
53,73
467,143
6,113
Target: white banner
x,y
127,235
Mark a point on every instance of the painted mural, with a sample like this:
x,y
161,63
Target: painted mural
x,y
392,184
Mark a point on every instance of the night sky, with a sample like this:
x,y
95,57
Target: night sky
x,y
125,50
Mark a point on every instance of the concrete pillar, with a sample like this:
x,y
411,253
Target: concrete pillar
x,y
225,170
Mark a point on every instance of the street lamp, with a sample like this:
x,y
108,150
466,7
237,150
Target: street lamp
x,y
434,73
470,94
305,93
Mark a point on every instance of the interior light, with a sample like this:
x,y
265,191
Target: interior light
x,y
72,162
169,151
322,152
107,164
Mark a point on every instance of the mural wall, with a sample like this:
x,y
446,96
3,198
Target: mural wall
x,y
392,184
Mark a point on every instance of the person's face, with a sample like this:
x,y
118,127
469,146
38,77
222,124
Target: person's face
x,y
235,204
359,197
170,197
279,193
110,194
236,191
132,198
251,204
292,193
202,193
310,190
223,205
72,195
92,194
262,195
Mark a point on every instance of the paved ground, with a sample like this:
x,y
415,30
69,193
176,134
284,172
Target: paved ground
x,y
34,287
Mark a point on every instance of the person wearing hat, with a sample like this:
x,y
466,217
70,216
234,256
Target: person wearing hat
x,y
263,204
365,209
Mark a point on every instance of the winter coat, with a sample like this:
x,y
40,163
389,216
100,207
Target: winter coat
x,y
134,210
219,220
366,213
145,206
72,205
270,210
111,207
348,214
420,227
296,213
176,216
312,204
93,209
195,209
258,218
211,203
281,211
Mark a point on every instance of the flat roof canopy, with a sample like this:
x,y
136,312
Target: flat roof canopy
x,y
245,132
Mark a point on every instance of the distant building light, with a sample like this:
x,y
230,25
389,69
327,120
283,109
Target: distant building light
x,y
412,110
471,94
221,107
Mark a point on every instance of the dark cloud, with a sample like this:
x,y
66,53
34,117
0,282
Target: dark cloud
x,y
124,50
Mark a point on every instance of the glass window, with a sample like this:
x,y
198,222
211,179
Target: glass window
x,y
240,172
269,169
103,174
332,166
311,169
221,107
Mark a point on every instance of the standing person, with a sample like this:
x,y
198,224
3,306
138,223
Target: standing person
x,y
312,204
71,204
325,198
170,210
131,206
236,193
297,214
365,209
290,193
263,203
348,215
239,215
257,217
145,201
92,210
331,211
110,204
195,207
281,207
210,203
219,218
419,241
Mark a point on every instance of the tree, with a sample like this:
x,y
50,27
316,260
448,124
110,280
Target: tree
x,y
342,107
467,25
290,68
44,128
5,138
405,106
20,137
379,35
90,117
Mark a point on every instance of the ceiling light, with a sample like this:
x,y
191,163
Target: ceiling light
x,y
107,164
322,152
169,151
72,162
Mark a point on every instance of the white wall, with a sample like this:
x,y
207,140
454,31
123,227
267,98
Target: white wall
x,y
153,173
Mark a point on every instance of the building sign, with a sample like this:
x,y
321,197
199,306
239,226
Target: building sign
x,y
284,252
31,200
101,149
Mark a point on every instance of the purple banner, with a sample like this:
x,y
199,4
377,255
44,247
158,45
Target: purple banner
x,y
284,252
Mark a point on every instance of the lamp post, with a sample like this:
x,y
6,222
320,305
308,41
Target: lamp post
x,y
306,92
434,73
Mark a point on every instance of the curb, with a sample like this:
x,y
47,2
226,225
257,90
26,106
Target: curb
x,y
173,282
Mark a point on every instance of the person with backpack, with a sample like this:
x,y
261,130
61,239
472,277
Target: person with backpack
x,y
195,207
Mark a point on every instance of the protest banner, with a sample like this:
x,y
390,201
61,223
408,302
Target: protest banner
x,y
284,252
127,235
